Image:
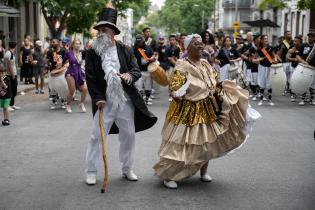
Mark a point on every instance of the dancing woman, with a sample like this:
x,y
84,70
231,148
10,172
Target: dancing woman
x,y
74,75
205,120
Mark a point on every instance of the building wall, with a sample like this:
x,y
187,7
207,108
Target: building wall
x,y
31,21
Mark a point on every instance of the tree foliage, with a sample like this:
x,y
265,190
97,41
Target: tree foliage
x,y
302,4
185,15
77,16
140,9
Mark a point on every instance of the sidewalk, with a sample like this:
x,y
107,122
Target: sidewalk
x,y
27,88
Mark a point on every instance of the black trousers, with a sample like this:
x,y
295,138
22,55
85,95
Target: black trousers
x,y
14,84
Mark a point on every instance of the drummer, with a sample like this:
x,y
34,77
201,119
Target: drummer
x,y
144,55
284,47
307,56
54,57
227,56
291,57
266,57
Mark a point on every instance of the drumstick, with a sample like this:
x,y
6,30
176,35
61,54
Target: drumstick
x,y
105,182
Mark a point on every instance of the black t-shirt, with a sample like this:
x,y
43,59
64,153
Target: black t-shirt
x,y
226,55
52,60
141,62
266,62
244,49
152,44
305,51
162,57
5,93
284,50
172,51
26,55
293,55
252,53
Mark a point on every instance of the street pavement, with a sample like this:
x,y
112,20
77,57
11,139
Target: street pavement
x,y
42,163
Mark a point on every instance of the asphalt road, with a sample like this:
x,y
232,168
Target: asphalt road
x,y
42,162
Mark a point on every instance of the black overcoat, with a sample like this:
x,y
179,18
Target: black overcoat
x,y
96,83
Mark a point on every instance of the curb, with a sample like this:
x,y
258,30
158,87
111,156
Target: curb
x,y
29,89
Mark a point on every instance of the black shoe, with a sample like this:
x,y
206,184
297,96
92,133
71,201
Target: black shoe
x,y
31,81
5,122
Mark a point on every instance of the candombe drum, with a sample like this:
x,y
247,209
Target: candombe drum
x,y
59,84
302,78
158,73
233,72
278,79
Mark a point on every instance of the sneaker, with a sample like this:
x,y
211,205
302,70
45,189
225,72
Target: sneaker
x,y
312,102
150,99
5,122
36,91
292,99
149,102
170,184
254,98
271,103
205,178
90,179
302,103
260,103
63,106
16,107
250,96
22,93
81,105
130,176
68,109
152,96
11,109
265,99
42,92
53,107
170,99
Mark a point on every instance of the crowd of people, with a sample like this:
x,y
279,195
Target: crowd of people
x,y
254,55
37,60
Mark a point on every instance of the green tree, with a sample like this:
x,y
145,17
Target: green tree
x,y
185,15
77,16
140,9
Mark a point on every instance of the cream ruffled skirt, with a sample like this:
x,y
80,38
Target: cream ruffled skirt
x,y
185,149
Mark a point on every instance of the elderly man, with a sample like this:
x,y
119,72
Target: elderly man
x,y
111,72
203,121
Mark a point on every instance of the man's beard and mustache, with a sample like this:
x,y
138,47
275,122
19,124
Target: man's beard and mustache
x,y
102,43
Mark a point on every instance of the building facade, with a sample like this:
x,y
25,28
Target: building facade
x,y
27,19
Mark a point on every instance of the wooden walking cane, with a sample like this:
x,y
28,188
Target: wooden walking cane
x,y
106,178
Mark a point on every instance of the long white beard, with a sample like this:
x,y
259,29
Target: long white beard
x,y
103,46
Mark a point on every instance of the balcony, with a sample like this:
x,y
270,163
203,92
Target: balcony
x,y
242,4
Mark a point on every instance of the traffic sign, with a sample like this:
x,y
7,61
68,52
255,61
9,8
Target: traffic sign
x,y
236,25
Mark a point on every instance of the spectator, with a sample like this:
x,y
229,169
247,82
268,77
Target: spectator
x,y
10,63
38,67
5,96
25,60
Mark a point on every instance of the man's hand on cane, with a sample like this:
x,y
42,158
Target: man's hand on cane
x,y
100,105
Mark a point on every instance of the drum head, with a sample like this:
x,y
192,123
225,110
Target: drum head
x,y
302,79
278,80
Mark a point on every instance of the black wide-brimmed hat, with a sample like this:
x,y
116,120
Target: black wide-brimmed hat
x,y
108,17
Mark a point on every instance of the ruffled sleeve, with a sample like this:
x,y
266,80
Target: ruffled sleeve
x,y
177,80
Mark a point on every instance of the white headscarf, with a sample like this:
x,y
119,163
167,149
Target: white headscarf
x,y
189,38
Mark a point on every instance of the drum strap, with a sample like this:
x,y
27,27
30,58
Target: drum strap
x,y
266,54
311,55
144,56
56,57
286,44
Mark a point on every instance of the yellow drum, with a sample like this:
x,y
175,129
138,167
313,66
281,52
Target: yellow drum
x,y
158,73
